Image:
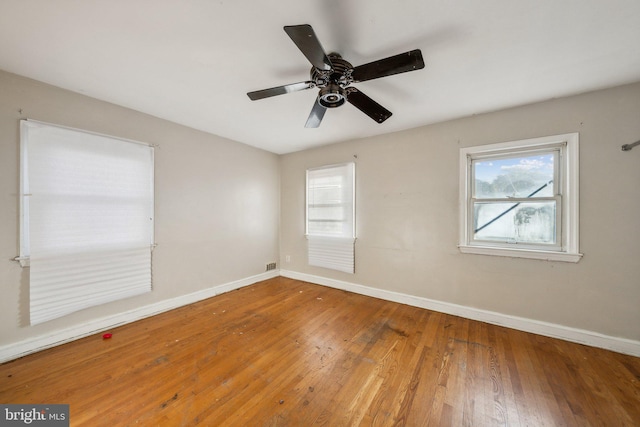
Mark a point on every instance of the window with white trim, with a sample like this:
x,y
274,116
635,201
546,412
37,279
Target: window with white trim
x,y
520,199
330,216
86,223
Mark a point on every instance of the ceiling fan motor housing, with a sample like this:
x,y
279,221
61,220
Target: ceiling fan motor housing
x,y
332,82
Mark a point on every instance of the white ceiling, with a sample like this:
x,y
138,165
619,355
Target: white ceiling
x,y
193,61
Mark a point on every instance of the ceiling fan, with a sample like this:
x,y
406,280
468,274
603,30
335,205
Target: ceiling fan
x,y
333,75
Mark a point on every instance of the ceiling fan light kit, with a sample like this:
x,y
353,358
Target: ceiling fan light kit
x,y
332,96
334,76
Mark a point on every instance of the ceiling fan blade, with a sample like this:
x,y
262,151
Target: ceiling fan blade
x,y
367,105
305,38
279,90
408,61
317,113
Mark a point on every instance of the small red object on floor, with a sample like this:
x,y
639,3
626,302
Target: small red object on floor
x,y
106,336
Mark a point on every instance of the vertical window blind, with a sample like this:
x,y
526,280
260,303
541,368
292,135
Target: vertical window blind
x,y
86,218
331,217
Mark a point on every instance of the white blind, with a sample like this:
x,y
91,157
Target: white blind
x,y
331,217
331,252
87,218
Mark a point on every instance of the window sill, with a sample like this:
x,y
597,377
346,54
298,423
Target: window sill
x,y
23,260
521,253
329,238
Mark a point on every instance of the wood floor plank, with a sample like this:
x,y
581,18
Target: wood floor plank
x,y
430,372
289,353
504,385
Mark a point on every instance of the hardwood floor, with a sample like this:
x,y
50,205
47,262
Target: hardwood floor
x,y
288,353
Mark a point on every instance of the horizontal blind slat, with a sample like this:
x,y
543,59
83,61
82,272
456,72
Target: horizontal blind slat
x,y
336,254
60,284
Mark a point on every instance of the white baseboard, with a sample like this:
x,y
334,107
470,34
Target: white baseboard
x,y
581,336
52,339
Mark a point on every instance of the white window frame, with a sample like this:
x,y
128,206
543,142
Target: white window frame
x,y
566,194
334,251
351,219
92,267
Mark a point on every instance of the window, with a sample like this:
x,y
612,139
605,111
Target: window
x,y
520,199
330,226
86,225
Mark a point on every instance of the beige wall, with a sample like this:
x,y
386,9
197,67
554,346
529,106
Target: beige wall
x,y
217,203
407,215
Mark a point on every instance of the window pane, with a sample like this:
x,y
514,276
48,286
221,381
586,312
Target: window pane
x,y
326,220
520,176
329,212
330,201
326,228
526,222
326,190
